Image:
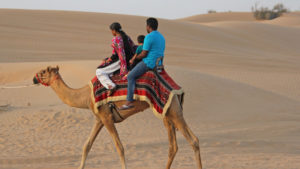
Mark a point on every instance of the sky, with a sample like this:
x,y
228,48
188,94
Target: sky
x,y
168,9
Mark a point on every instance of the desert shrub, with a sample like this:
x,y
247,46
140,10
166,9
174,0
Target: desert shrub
x,y
264,13
211,11
280,9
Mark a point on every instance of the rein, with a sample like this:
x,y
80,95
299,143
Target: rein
x,y
31,85
16,87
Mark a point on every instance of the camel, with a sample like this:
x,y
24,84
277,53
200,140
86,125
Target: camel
x,y
82,98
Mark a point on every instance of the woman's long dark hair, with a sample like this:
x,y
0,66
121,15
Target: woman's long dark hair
x,y
128,49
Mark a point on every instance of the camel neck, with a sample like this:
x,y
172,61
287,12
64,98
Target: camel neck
x,y
78,98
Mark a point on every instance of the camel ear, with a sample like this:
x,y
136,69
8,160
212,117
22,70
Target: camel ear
x,y
57,68
48,68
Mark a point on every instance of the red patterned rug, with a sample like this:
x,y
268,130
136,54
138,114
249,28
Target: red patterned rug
x,y
157,89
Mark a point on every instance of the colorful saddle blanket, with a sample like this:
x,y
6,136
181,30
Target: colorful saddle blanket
x,y
157,89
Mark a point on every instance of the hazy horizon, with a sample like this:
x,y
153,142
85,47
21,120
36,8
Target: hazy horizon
x,y
167,9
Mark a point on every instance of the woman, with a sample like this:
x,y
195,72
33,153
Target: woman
x,y
123,50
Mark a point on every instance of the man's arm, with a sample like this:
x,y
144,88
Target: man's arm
x,y
142,54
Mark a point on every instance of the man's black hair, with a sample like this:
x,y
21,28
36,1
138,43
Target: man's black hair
x,y
140,38
152,23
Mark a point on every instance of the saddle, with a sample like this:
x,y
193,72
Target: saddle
x,y
115,77
155,87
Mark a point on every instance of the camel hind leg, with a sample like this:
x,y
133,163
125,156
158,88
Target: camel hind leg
x,y
192,139
175,114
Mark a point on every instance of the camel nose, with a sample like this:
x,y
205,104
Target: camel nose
x,y
35,81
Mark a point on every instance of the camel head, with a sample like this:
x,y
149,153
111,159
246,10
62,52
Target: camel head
x,y
46,76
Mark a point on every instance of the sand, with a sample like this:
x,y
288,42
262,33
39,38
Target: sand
x,y
241,79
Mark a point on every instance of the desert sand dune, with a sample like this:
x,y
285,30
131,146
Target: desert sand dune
x,y
241,80
288,19
220,16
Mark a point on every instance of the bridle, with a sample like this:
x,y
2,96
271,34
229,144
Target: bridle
x,y
45,84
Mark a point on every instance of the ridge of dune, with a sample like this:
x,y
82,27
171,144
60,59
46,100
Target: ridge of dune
x,y
220,16
59,35
291,19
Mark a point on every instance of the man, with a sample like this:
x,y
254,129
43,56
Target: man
x,y
154,47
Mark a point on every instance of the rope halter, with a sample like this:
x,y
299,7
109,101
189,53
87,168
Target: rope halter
x,y
43,83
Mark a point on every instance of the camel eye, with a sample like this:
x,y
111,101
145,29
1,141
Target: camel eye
x,y
43,71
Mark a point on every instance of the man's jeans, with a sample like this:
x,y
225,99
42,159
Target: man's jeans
x,y
136,72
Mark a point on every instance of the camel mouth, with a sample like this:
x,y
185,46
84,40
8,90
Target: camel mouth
x,y
35,81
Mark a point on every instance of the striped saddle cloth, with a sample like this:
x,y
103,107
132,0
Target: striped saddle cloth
x,y
156,88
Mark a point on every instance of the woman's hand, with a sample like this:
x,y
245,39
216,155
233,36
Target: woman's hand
x,y
103,62
106,61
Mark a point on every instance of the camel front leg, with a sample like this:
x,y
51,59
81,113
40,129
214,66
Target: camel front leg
x,y
172,141
109,124
88,145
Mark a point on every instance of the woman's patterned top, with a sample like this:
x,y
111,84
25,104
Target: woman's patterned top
x,y
118,48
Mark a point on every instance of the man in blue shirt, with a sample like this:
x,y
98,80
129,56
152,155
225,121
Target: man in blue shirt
x,y
154,47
